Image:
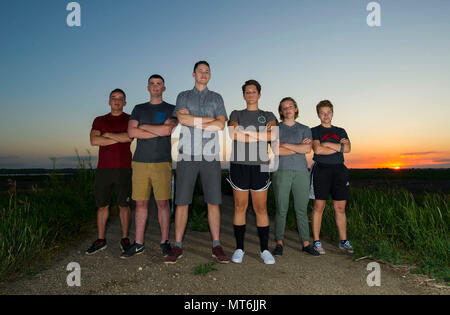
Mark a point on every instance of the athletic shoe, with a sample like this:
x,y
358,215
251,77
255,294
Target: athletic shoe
x,y
175,254
278,251
165,248
238,256
135,249
345,245
267,257
97,246
310,250
125,244
317,245
219,255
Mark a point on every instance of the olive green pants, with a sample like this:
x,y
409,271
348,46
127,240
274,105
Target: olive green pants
x,y
285,181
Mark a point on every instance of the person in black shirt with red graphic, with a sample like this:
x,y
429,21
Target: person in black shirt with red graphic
x,y
329,174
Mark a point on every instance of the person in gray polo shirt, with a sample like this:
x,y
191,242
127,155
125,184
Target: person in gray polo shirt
x,y
202,114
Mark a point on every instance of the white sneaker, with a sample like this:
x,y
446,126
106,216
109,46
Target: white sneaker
x,y
238,256
267,257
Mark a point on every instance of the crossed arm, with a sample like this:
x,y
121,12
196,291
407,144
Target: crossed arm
x,y
108,138
239,134
150,131
290,149
205,123
328,148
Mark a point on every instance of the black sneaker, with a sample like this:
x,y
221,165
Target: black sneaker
x,y
97,246
125,244
310,250
165,248
278,251
135,249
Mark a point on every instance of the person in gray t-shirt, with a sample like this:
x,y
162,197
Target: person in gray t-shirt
x,y
292,175
250,129
202,114
152,124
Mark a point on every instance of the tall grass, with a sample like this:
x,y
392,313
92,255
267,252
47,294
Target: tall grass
x,y
394,226
34,225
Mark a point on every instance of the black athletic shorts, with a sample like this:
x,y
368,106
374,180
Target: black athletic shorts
x,y
331,179
248,177
105,179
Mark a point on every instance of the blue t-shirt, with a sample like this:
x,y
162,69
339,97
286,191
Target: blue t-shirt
x,y
293,134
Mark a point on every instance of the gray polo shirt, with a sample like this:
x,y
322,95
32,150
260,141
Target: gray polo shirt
x,y
155,150
194,141
293,134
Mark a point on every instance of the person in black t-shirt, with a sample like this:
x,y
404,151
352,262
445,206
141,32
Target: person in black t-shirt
x,y
329,174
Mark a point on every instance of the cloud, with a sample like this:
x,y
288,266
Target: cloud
x,y
418,153
442,160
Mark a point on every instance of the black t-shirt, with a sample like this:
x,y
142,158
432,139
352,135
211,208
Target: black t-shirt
x,y
333,135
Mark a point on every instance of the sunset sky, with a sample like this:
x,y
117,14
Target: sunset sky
x,y
389,84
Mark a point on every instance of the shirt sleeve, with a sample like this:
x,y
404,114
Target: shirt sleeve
x,y
307,133
344,134
270,117
172,114
135,114
97,124
179,104
315,134
234,117
220,109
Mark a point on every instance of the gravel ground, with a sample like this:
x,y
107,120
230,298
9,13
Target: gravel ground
x,y
294,273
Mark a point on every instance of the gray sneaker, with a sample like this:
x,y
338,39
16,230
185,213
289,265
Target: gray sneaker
x,y
317,245
135,249
345,245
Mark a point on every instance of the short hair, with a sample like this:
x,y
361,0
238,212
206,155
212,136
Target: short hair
x,y
287,99
324,103
252,82
201,62
120,91
156,76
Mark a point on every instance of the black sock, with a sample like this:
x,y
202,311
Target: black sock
x,y
263,233
239,234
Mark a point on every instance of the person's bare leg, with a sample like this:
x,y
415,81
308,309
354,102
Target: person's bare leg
x,y
102,218
341,219
240,207
259,202
163,218
214,221
319,207
141,219
125,218
181,218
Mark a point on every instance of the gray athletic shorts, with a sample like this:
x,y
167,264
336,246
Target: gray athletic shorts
x,y
210,177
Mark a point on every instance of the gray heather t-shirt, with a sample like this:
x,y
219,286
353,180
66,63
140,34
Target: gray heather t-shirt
x,y
251,153
295,135
194,141
155,150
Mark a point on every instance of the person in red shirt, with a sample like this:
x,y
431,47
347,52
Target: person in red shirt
x,y
109,133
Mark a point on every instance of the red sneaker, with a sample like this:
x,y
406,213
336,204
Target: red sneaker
x,y
175,254
219,255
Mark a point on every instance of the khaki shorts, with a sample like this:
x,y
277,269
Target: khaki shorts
x,y
152,175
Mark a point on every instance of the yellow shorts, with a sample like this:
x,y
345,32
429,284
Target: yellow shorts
x,y
152,175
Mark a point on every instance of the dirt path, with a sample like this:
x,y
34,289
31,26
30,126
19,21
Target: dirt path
x,y
293,273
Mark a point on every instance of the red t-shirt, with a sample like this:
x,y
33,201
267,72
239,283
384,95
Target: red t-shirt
x,y
116,155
